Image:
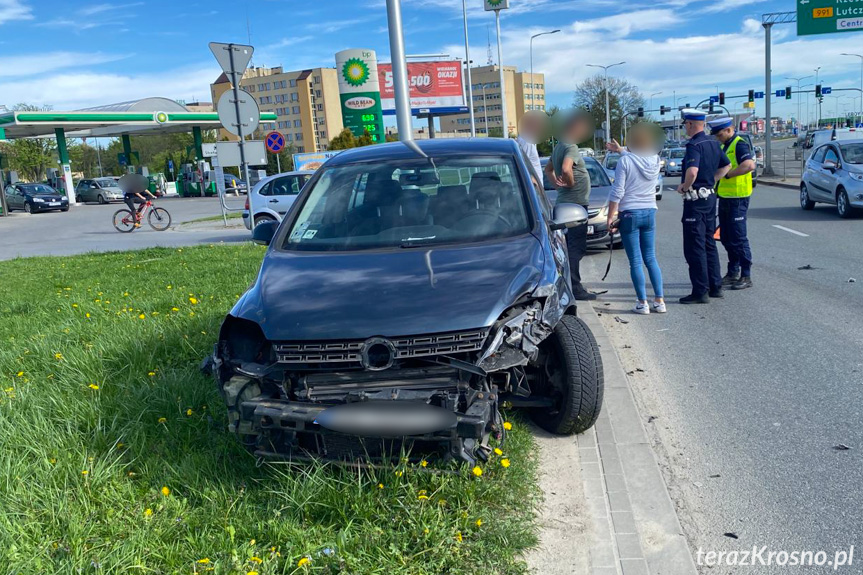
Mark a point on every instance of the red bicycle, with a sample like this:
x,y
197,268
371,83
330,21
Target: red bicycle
x,y
158,218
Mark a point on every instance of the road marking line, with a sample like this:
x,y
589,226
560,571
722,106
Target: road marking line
x,y
783,228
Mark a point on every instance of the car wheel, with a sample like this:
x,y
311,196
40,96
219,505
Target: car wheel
x,y
263,218
64,209
235,391
658,197
28,208
101,199
569,371
843,206
805,202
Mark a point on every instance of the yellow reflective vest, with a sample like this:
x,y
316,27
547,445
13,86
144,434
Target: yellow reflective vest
x,y
739,186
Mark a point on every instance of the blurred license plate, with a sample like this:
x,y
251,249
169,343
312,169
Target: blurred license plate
x,y
54,204
589,230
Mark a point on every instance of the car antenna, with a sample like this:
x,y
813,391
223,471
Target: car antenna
x,y
418,151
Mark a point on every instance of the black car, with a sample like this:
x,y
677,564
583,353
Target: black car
x,y
33,198
410,292
233,183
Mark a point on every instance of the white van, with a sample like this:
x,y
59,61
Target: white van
x,y
823,136
272,197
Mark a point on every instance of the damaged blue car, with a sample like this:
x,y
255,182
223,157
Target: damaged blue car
x,y
412,291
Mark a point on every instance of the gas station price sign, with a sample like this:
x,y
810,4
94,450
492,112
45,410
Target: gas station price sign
x,y
359,92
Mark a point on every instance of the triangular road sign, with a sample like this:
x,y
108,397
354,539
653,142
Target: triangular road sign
x,y
242,56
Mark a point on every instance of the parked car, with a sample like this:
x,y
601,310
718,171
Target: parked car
x,y
758,152
232,183
272,197
34,198
673,161
412,290
102,190
609,163
834,175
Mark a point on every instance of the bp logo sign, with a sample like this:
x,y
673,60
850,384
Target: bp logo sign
x,y
160,117
496,4
356,72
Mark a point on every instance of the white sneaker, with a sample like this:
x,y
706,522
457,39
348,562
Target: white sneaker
x,y
659,307
641,308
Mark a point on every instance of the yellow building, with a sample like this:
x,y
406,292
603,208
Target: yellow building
x,y
306,102
523,92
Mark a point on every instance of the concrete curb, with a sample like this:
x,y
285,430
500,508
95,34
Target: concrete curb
x,y
777,184
635,526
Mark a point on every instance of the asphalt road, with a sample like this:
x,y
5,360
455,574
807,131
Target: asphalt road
x,y
751,394
89,227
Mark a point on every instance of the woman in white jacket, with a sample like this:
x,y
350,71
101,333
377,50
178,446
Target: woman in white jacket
x,y
633,202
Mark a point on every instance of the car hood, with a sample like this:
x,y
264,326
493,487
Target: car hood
x,y
315,296
599,196
113,190
46,197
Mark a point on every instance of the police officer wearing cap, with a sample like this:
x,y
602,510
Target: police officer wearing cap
x,y
703,164
734,191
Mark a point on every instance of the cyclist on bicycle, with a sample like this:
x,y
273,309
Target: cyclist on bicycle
x,y
134,187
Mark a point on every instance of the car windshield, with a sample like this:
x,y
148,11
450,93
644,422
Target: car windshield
x,y
38,189
677,153
853,153
598,177
611,162
107,183
409,203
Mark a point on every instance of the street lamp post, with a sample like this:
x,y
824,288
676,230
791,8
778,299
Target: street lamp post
x,y
861,80
467,60
607,110
677,121
651,99
532,83
798,80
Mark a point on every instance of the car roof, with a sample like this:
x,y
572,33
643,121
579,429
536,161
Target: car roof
x,y
436,147
263,181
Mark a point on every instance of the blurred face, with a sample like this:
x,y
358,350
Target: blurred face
x,y
577,131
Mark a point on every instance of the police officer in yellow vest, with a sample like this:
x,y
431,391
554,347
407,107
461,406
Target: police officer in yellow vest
x,y
734,191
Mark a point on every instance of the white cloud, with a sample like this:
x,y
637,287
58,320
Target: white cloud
x,y
726,5
72,91
628,22
14,10
100,8
36,64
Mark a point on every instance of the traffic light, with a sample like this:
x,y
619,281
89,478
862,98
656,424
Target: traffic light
x,y
787,92
817,90
751,95
710,110
641,112
663,109
721,98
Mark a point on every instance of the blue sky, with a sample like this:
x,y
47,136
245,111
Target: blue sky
x,y
98,52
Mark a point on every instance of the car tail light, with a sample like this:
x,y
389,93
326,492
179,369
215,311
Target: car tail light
x,y
247,203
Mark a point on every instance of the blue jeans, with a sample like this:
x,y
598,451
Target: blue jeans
x,y
638,230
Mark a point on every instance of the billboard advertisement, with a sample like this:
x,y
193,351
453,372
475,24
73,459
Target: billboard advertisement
x,y
312,160
359,92
433,85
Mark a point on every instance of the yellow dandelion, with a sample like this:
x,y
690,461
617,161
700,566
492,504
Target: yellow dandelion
x,y
424,463
20,374
9,390
175,309
477,471
85,472
58,356
93,386
303,561
151,373
189,412
203,561
165,491
380,485
252,542
191,313
162,420
479,522
458,537
426,531
87,315
507,425
257,560
422,497
497,451
169,287
142,316
504,462
125,294
52,461
121,445
193,300
148,512
74,305
252,573
399,473
442,502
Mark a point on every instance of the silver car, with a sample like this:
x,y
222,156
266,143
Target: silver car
x,y
834,175
272,197
102,190
673,161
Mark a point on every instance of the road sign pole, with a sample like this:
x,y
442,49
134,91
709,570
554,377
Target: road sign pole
x,y
768,128
503,118
400,70
236,89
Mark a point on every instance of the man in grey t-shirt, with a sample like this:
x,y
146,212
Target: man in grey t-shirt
x,y
567,170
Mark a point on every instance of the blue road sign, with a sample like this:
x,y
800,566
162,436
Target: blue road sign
x,y
714,99
826,90
170,165
780,93
275,142
759,95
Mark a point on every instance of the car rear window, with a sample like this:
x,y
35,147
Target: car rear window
x,y
411,202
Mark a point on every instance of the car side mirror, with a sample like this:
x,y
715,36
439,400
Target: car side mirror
x,y
568,216
830,165
264,232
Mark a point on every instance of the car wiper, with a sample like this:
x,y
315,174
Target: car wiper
x,y
417,242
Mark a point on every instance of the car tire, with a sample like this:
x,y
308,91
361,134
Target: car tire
x,y
263,218
235,391
843,206
28,208
805,202
571,373
101,199
64,209
659,197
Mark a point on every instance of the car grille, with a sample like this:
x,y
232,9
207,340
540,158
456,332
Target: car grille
x,y
594,212
349,352
598,235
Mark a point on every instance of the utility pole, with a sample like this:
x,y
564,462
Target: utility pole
x,y
861,80
768,127
798,80
532,83
607,105
503,117
400,70
469,80
817,102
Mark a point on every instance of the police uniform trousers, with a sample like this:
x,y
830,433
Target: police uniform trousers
x,y
732,222
699,247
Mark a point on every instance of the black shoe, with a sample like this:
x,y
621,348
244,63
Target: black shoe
x,y
692,298
585,296
716,293
743,283
731,278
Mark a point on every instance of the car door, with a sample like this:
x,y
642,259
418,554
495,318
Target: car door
x,y
283,191
86,190
829,176
14,198
814,176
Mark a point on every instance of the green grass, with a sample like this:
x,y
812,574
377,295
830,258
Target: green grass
x,y
102,405
231,216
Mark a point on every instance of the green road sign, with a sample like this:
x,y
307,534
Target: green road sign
x,y
829,16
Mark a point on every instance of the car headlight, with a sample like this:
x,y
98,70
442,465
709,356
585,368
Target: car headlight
x,y
64,198
672,164
38,200
857,176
